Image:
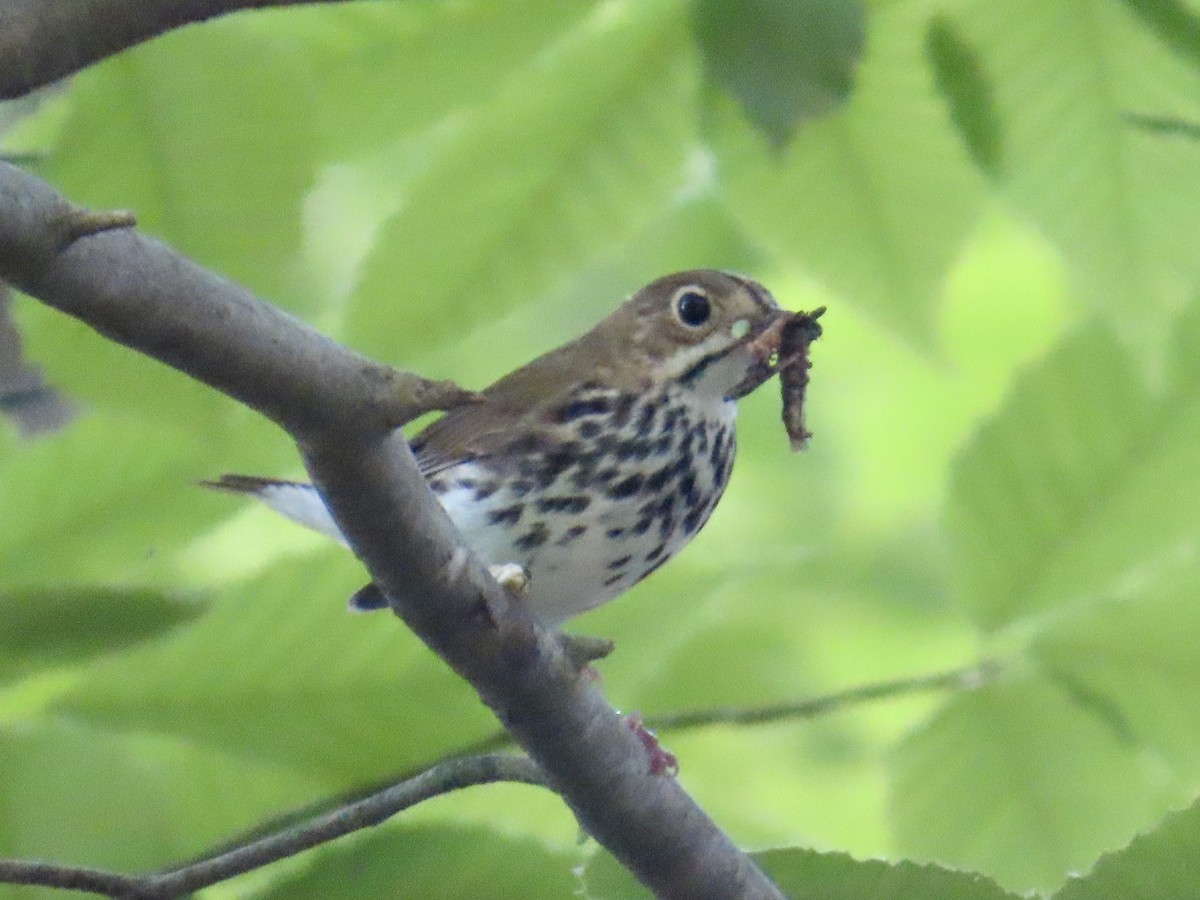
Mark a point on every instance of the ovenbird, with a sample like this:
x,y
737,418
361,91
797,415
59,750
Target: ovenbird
x,y
596,463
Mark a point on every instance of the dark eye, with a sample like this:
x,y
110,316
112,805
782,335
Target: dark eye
x,y
693,308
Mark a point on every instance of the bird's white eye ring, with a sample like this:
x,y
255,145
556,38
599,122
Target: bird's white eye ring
x,y
692,307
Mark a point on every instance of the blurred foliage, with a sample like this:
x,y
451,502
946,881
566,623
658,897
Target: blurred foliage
x,y
746,47
1006,407
830,876
435,863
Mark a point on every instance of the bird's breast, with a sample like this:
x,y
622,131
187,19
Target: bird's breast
x,y
614,487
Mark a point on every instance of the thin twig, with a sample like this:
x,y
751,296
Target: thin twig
x,y
970,677
447,776
964,678
73,878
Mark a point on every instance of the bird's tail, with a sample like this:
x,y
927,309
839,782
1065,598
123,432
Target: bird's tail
x,y
297,500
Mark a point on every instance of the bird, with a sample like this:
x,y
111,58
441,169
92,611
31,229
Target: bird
x,y
581,473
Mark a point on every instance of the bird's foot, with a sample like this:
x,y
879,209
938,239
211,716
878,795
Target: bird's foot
x,y
662,760
513,577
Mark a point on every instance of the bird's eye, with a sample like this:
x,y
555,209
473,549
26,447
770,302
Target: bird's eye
x,y
692,307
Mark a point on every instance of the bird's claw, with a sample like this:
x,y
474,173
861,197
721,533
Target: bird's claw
x,y
513,577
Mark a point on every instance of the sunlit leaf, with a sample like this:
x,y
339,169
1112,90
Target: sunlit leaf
x,y
1074,514
1025,489
1132,645
1133,659
1083,485
109,498
1018,781
1121,203
575,152
830,876
213,168
132,803
389,69
1163,862
876,200
279,670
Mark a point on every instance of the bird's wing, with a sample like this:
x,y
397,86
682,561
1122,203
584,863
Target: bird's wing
x,y
522,402
468,433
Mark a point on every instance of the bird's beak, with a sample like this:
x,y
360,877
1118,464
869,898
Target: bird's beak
x,y
776,346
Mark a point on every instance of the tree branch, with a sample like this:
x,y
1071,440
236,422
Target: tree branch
x,y
139,292
43,40
443,778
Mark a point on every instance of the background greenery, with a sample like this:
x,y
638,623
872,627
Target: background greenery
x,y
1000,204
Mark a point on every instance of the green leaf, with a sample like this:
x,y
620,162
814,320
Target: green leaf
x,y
836,876
169,130
130,803
55,626
1020,782
1173,23
105,377
785,61
606,879
1122,204
111,497
280,671
1072,433
1133,657
1084,487
830,876
694,234
1073,515
874,201
431,863
1164,862
223,173
964,85
383,70
198,156
574,153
